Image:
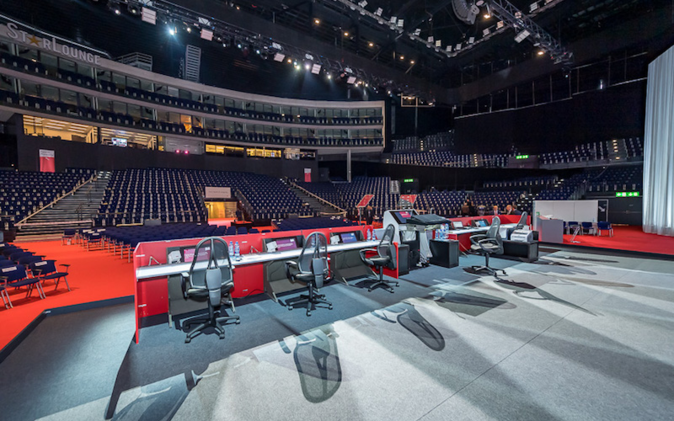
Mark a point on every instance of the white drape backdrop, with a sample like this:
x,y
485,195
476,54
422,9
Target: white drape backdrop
x,y
658,194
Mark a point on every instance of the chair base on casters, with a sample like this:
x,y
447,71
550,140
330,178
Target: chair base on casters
x,y
490,270
210,321
310,299
381,282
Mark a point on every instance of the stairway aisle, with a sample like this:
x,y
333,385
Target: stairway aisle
x,y
74,211
314,204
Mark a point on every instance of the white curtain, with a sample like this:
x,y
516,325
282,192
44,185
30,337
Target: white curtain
x,y
658,194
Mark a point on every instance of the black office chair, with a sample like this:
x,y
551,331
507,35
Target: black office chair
x,y
520,225
210,278
488,244
312,269
386,257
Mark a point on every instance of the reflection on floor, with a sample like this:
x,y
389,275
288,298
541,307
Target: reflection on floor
x,y
573,336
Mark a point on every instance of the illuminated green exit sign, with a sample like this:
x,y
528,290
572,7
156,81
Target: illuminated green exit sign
x,y
627,194
522,157
408,180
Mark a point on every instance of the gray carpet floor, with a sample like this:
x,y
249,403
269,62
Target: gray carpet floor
x,y
574,336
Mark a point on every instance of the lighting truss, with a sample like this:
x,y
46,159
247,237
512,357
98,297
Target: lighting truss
x,y
522,24
163,11
508,16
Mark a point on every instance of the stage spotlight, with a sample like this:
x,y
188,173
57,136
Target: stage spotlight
x,y
172,30
371,44
307,66
329,76
290,60
346,34
317,21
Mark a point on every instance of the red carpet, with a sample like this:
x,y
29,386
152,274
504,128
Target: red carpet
x,y
630,238
95,275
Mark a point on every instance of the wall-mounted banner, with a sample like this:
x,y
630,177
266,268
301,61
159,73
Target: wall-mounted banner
x,y
53,44
218,192
307,175
47,163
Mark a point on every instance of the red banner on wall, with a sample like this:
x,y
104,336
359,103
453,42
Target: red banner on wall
x,y
411,198
47,163
307,175
365,200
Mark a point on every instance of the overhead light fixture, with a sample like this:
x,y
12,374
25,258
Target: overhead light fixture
x,y
362,3
307,66
393,19
316,69
148,15
430,39
411,61
346,34
471,40
317,21
207,35
379,11
522,36
351,80
401,22
533,7
172,30
371,44
448,48
541,52
290,60
279,57
402,57
438,43
486,32
329,76
500,24
458,47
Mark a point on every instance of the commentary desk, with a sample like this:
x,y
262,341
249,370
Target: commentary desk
x,y
152,291
463,235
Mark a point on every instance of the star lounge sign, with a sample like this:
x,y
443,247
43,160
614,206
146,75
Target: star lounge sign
x,y
51,44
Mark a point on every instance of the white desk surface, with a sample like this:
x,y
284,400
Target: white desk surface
x,y
480,229
157,271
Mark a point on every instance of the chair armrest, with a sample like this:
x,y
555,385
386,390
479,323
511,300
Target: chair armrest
x,y
291,264
475,239
363,251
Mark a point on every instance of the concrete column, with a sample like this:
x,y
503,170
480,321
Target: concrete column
x,y
348,165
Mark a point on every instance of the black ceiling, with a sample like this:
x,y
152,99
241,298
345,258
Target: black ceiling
x,y
320,25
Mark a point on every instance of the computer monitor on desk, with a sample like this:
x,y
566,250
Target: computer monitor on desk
x,y
348,237
282,244
457,225
480,223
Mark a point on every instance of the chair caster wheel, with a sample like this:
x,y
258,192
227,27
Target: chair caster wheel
x,y
308,314
221,336
188,340
329,307
391,291
290,308
238,322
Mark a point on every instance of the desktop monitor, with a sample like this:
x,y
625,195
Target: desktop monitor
x,y
188,254
283,244
457,224
482,223
348,237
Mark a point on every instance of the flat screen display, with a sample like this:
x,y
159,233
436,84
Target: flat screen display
x,y
283,244
482,223
402,216
188,254
457,224
118,141
348,237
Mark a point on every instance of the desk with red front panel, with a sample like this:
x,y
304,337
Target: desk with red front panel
x,y
152,297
